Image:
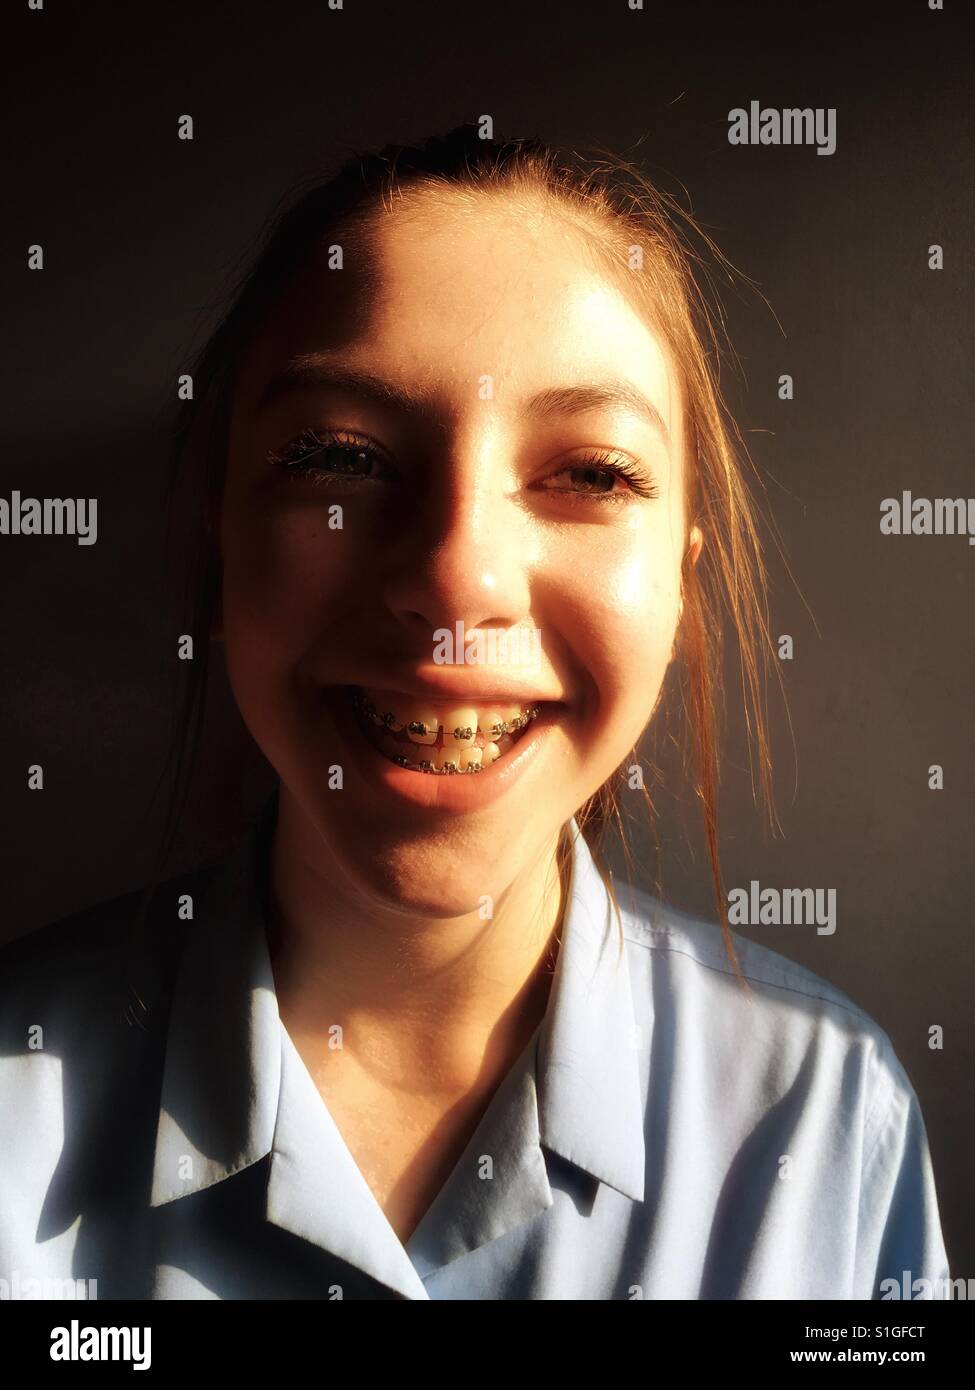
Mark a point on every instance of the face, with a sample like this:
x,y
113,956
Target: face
x,y
483,437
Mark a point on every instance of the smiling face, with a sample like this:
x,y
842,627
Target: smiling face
x,y
484,380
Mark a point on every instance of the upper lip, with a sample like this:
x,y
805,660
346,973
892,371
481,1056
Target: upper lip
x,y
441,685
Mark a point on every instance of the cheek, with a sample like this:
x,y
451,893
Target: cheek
x,y
624,615
283,574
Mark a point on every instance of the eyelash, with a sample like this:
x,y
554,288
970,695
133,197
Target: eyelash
x,y
294,461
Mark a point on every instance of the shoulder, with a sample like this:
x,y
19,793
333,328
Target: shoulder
x,y
653,926
789,1027
83,1009
84,967
782,1096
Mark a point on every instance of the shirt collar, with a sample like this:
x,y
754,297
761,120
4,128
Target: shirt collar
x,y
216,1116
576,1090
591,1104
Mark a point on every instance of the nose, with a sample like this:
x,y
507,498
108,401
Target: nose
x,y
463,553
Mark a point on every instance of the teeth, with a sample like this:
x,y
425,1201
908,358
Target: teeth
x,y
422,727
446,759
461,724
495,721
464,728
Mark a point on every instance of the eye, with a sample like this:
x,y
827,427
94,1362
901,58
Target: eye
x,y
596,475
329,456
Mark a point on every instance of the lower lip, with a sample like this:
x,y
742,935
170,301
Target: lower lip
x,y
457,792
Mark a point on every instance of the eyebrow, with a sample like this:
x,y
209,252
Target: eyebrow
x,y
313,373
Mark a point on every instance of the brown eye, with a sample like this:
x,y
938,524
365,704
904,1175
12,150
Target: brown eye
x,y
328,455
595,476
593,480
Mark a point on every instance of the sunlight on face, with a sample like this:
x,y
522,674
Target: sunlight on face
x,y
516,433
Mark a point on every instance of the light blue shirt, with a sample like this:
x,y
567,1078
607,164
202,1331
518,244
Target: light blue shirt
x,y
661,1137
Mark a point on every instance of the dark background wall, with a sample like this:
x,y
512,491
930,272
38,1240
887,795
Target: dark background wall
x,y
141,232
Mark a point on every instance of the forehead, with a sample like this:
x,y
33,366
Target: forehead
x,y
439,294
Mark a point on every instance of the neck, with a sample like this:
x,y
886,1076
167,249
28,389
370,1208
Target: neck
x,y
428,1003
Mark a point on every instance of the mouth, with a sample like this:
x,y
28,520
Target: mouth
x,y
440,739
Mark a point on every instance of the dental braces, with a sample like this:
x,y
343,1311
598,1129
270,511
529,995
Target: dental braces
x,y
448,768
497,730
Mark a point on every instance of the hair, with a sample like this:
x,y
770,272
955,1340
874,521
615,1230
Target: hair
x,y
640,237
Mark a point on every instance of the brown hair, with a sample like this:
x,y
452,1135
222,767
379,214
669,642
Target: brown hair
x,y
636,232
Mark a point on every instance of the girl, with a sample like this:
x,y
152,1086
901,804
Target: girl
x,y
465,493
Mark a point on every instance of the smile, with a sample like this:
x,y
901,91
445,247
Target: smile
x,y
440,738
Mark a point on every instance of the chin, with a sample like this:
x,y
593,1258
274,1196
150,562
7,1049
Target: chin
x,y
445,878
